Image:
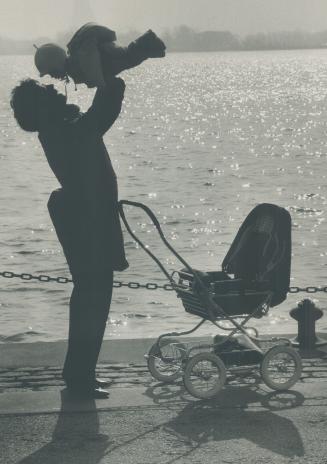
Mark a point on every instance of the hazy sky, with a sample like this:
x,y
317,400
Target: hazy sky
x,y
30,18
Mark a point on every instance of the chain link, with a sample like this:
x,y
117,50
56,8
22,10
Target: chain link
x,y
133,285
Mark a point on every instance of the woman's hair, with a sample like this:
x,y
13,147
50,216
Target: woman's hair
x,y
24,103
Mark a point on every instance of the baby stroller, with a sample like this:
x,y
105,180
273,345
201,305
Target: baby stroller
x,y
255,276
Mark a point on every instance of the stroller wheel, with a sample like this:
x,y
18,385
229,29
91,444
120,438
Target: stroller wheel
x,y
165,363
281,367
205,375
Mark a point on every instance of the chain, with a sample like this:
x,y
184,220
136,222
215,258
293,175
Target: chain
x,y
311,289
132,285
66,280
147,286
41,278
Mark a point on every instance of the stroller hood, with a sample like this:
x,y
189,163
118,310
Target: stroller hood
x,y
261,250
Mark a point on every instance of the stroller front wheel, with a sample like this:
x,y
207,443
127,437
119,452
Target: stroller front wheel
x,y
165,361
205,375
281,367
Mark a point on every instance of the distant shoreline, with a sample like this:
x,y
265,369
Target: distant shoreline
x,y
210,51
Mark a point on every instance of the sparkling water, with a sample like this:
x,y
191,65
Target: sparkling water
x,y
202,139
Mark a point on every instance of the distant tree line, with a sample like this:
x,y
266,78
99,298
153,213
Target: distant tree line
x,y
186,39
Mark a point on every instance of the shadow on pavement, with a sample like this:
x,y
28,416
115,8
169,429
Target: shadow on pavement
x,y
76,438
235,414
238,413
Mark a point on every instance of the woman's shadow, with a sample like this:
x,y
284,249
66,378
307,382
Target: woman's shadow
x,y
75,439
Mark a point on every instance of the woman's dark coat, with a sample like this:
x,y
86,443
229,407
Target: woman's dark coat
x,y
84,210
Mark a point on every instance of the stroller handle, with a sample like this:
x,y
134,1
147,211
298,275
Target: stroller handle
x,y
202,291
155,221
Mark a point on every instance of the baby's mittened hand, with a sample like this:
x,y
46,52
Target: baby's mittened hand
x,y
156,47
152,46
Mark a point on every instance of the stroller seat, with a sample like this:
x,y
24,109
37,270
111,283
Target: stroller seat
x,y
256,268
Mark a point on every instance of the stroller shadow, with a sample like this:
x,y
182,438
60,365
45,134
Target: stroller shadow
x,y
74,441
235,414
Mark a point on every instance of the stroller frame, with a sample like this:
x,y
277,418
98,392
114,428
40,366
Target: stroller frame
x,y
199,299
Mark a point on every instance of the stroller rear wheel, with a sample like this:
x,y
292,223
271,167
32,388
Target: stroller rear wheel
x,y
165,362
281,367
205,375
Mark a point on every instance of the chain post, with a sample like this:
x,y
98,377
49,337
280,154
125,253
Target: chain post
x,y
306,314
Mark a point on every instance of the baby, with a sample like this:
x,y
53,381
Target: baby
x,y
93,56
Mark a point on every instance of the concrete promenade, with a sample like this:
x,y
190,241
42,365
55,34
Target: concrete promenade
x,y
145,422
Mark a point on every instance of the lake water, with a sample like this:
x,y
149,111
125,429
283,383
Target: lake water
x,y
202,139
